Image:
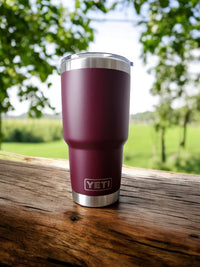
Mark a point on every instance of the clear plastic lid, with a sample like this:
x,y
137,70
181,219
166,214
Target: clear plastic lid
x,y
95,60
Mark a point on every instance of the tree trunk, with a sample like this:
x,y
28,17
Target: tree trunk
x,y
186,120
163,154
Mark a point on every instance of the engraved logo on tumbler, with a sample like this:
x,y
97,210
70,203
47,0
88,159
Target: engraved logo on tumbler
x,y
97,184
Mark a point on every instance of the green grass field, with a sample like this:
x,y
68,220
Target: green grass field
x,y
141,150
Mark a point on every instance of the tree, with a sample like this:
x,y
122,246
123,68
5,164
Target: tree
x,y
33,35
163,120
170,37
187,113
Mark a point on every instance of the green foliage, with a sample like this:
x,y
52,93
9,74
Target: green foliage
x,y
32,130
185,162
164,114
34,34
179,162
171,34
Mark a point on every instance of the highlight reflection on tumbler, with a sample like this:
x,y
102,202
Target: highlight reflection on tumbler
x,y
95,108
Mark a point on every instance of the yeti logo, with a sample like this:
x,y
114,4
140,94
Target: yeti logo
x,y
97,184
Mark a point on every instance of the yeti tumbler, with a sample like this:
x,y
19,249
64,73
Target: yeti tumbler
x,y
95,113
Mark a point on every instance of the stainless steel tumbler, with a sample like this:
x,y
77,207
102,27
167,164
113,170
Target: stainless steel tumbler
x,y
95,110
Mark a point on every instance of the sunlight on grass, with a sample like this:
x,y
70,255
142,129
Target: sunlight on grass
x,y
56,149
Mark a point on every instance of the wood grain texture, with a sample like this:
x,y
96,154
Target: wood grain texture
x,y
155,223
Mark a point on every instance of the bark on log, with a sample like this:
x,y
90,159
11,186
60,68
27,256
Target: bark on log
x,y
155,223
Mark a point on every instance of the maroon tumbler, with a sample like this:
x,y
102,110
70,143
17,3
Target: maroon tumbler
x,y
95,110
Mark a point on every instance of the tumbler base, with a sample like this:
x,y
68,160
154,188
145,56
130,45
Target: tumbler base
x,y
95,201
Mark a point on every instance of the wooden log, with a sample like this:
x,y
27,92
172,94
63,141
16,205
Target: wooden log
x,y
155,223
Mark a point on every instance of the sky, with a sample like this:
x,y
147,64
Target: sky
x,y
123,38
113,36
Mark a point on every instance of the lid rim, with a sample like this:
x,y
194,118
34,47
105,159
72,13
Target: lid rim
x,y
95,55
95,60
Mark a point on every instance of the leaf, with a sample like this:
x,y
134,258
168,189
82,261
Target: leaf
x,y
164,3
49,85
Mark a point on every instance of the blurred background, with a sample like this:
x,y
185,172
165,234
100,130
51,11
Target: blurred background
x,y
162,38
